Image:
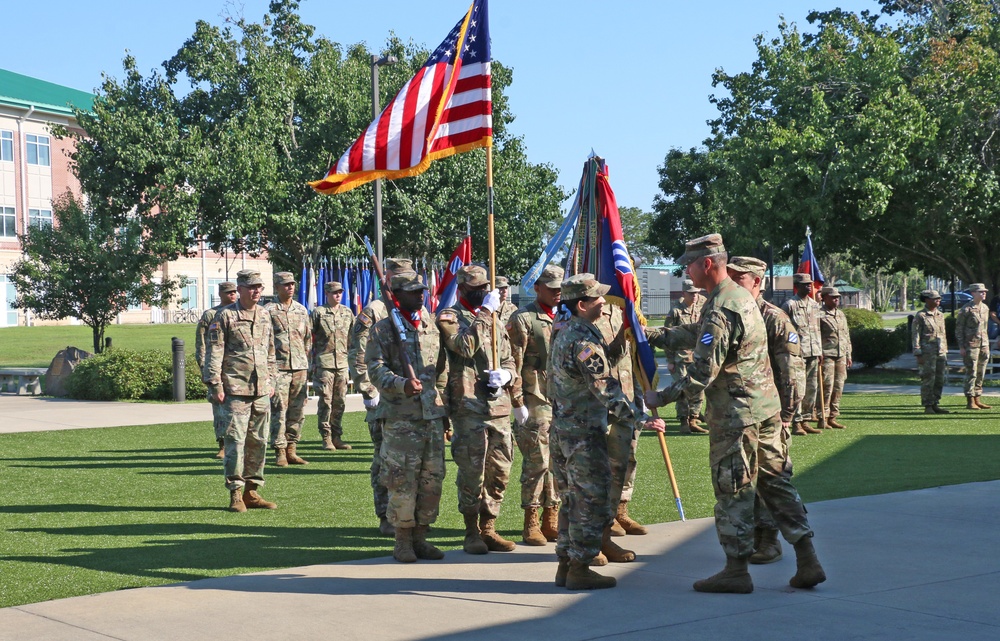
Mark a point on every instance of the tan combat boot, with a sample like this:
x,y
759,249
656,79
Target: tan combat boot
x,y
766,545
255,501
630,525
978,401
970,403
403,551
562,571
799,429
734,579
809,430
327,440
280,458
422,548
494,542
696,427
599,560
473,542
685,427
616,528
293,457
385,528
532,534
222,449
550,523
809,573
581,577
940,410
339,444
236,503
615,552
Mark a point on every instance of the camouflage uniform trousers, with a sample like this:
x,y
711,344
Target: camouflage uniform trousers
x,y
807,388
583,475
483,450
834,376
746,463
331,385
412,470
976,359
246,419
690,403
762,514
538,486
379,491
622,441
288,404
932,368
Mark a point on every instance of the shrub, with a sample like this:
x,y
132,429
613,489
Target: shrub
x,y
120,374
875,347
862,318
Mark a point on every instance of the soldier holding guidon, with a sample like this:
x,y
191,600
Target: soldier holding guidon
x,y
804,312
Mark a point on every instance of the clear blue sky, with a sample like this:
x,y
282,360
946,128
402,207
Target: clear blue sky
x,y
628,78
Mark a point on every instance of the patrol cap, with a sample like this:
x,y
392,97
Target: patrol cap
x,y
283,278
701,247
502,282
472,275
407,282
689,286
397,265
802,279
552,277
832,292
583,286
929,294
248,278
977,287
226,287
333,287
747,264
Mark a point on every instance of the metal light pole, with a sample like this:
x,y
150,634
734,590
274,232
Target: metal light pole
x,y
376,63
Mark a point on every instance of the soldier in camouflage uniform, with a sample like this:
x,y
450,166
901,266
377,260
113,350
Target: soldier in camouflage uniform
x,y
227,296
292,348
973,340
585,394
804,312
930,346
731,365
414,409
530,333
371,314
507,308
480,407
331,327
685,312
786,364
239,372
836,354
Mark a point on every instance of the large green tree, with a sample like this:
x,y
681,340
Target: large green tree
x,y
878,134
220,143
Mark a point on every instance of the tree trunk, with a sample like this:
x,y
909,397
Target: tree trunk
x,y
902,296
98,332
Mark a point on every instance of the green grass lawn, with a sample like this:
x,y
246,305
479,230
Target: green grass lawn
x,y
88,511
37,346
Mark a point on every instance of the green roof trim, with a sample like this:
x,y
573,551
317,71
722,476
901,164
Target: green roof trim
x,y
26,92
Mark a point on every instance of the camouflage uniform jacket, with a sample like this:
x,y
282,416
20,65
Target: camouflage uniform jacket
x,y
292,335
200,332
783,354
373,313
387,371
619,351
467,339
929,333
730,361
804,313
507,309
684,314
331,327
581,385
530,334
971,324
240,355
836,335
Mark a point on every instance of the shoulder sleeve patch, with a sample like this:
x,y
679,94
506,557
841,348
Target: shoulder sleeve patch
x,y
362,323
793,337
585,354
707,338
448,316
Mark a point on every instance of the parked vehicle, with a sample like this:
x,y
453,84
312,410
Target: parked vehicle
x,y
961,298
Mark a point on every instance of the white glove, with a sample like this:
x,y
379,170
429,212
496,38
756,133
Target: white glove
x,y
372,403
492,301
521,415
498,377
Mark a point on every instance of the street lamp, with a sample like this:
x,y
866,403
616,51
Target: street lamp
x,y
376,63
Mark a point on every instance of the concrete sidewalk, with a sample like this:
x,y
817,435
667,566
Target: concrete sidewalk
x,y
914,565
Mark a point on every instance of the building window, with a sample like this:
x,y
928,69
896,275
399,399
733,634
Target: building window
x,y
39,217
7,146
8,223
189,296
8,313
38,150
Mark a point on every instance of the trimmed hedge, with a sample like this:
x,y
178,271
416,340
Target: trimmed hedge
x,y
874,347
125,374
862,318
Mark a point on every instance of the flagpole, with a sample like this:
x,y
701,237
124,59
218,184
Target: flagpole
x,y
646,386
492,249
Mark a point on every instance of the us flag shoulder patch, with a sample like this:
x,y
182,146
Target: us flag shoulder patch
x,y
585,354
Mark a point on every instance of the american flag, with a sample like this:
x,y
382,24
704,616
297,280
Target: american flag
x,y
445,109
